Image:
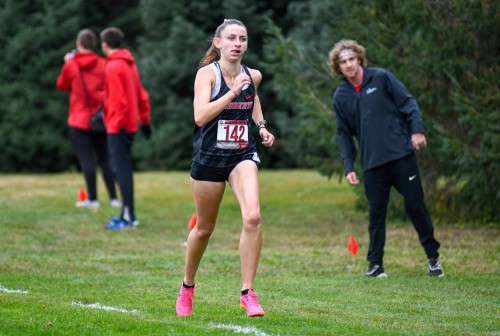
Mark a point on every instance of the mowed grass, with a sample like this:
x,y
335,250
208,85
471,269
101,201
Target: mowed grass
x,y
61,273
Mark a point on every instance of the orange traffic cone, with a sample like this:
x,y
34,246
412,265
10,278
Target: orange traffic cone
x,y
82,195
192,222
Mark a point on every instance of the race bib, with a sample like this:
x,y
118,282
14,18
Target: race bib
x,y
232,134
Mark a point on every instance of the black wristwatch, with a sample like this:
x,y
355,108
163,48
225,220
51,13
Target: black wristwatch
x,y
262,123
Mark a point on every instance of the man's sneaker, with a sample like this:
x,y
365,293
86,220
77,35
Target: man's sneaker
x,y
249,302
88,204
375,271
184,304
117,223
434,268
82,204
115,203
94,204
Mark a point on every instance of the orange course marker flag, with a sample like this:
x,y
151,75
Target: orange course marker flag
x,y
192,222
82,195
352,246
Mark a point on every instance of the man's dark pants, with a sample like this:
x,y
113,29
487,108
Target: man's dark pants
x,y
404,176
120,151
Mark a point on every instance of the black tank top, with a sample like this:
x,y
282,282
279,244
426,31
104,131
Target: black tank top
x,y
222,141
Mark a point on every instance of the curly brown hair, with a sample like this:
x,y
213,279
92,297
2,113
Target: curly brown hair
x,y
333,55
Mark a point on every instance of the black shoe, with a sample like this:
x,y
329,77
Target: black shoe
x,y
434,268
375,271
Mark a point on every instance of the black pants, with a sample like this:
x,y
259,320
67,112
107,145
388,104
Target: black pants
x,y
404,176
85,144
120,151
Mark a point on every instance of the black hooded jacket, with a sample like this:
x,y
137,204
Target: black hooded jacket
x,y
382,116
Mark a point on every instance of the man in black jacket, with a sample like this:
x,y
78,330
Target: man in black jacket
x,y
372,105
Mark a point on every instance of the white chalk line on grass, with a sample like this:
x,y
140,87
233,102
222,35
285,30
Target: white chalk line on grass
x,y
16,291
239,329
74,303
108,308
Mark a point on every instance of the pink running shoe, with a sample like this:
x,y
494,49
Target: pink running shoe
x,y
184,305
249,302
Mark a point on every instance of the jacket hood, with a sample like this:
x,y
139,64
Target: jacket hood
x,y
122,54
86,60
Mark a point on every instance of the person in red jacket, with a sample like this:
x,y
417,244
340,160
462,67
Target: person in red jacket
x,y
83,76
126,105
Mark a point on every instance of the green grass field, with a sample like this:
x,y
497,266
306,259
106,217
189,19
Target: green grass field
x,y
61,273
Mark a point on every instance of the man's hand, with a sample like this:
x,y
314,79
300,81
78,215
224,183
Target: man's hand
x,y
352,178
146,132
69,56
418,141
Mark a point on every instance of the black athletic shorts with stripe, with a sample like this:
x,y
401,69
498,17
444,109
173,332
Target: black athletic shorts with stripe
x,y
201,172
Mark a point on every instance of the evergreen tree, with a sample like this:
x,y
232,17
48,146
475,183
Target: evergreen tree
x,y
443,53
32,126
177,35
35,35
442,50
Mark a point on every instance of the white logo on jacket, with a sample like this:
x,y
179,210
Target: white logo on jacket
x,y
370,90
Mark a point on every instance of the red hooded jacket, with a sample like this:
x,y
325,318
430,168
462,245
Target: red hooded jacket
x,y
126,100
90,67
